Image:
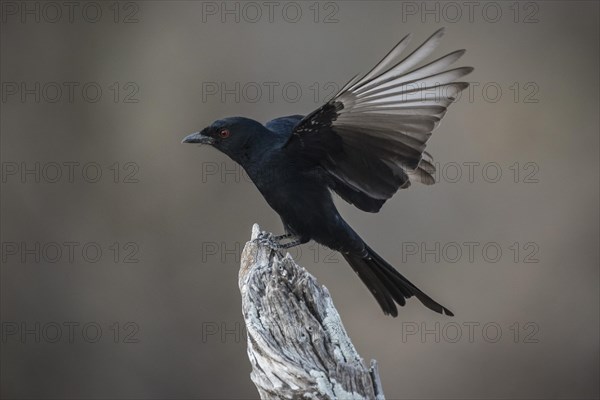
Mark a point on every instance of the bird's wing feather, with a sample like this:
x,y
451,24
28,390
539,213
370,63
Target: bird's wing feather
x,y
370,138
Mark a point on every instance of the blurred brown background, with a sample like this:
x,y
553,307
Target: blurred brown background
x,y
82,319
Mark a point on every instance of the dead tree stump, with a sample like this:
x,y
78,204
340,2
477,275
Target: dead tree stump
x,y
297,344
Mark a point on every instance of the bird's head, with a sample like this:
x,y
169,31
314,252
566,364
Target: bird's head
x,y
233,136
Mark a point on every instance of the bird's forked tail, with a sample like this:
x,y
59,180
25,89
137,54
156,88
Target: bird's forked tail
x,y
388,285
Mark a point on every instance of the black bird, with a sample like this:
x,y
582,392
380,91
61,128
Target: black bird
x,y
364,144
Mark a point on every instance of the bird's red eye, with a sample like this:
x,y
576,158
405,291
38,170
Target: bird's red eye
x,y
224,133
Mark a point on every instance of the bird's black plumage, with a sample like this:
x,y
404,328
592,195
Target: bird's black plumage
x,y
364,144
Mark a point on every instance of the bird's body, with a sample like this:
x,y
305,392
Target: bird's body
x,y
298,191
364,144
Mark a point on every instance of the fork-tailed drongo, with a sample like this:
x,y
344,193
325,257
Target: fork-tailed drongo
x,y
364,144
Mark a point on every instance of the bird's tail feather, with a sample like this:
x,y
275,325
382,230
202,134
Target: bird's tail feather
x,y
387,285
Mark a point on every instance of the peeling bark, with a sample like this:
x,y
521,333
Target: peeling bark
x,y
297,344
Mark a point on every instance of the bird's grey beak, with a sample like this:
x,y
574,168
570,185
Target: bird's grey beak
x,y
198,137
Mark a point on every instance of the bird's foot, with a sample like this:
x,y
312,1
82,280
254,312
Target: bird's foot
x,y
266,239
275,242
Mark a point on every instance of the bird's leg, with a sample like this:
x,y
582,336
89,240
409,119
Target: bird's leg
x,y
274,242
284,236
296,242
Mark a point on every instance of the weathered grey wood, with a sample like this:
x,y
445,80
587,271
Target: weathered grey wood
x,y
297,344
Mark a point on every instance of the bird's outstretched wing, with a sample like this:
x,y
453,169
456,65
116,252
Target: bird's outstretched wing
x,y
370,138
